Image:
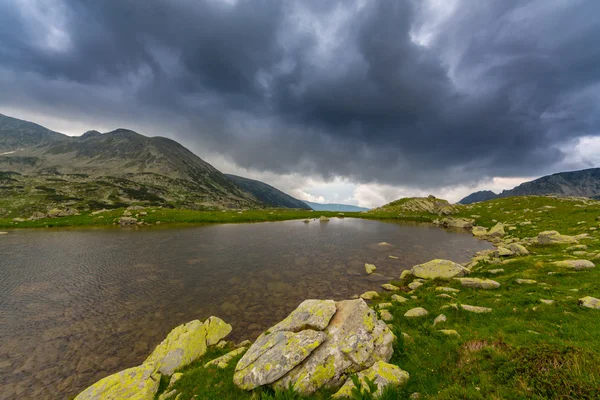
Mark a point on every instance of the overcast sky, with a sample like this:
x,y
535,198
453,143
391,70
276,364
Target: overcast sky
x,y
339,101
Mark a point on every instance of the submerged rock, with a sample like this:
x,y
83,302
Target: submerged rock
x,y
525,281
187,343
381,373
137,383
353,341
439,269
370,268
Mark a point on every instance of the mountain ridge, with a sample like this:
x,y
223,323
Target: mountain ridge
x,y
267,193
334,207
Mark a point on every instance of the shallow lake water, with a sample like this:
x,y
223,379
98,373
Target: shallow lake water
x,y
79,304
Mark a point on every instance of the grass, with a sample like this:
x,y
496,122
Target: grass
x,y
523,349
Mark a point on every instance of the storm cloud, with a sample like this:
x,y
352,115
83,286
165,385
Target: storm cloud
x,y
414,93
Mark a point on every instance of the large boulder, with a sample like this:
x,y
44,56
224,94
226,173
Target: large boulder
x,y
137,383
352,340
553,237
381,373
187,343
497,230
439,269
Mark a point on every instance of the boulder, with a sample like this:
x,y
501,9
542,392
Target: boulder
x,y
187,343
553,237
497,230
590,302
439,269
518,249
450,222
475,309
416,312
356,339
381,373
390,287
405,274
370,295
370,268
137,383
575,264
479,231
415,285
503,252
478,283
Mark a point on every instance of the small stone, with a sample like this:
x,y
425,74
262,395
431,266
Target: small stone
x,y
398,298
496,271
390,287
416,312
547,301
449,332
478,283
383,244
445,296
222,344
386,315
475,309
244,343
384,305
405,274
393,257
415,285
525,281
590,302
370,268
439,319
446,289
370,295
381,373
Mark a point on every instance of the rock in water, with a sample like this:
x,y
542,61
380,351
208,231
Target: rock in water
x,y
137,383
381,373
439,269
553,237
479,231
354,339
187,343
323,218
370,268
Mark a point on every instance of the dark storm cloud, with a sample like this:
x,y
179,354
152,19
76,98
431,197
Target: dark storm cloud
x,y
322,87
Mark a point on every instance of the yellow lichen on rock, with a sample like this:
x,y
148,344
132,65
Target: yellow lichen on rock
x,y
137,383
381,373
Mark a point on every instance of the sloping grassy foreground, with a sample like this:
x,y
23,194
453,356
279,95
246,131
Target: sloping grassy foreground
x,y
523,349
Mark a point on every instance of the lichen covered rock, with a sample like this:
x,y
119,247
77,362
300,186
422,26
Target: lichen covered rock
x,y
439,269
381,373
479,231
518,249
223,361
187,343
575,264
478,283
497,230
370,268
416,312
137,383
553,237
390,287
590,302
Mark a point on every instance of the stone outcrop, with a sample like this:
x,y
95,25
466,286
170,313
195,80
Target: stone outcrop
x,y
553,237
137,383
381,373
347,341
187,343
439,269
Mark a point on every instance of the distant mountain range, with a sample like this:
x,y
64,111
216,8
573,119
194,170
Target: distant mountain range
x,y
40,168
584,183
267,193
335,207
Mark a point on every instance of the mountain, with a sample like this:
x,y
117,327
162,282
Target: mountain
x,y
110,169
267,193
583,183
476,197
335,207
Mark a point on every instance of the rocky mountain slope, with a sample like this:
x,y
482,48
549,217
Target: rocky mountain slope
x,y
584,183
108,170
335,207
476,197
267,193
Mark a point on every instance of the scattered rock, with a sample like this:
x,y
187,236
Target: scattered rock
x,y
450,222
478,283
496,271
383,244
393,257
449,332
479,231
446,289
306,221
575,264
525,281
439,319
577,247
323,218
503,252
381,373
370,295
124,221
553,237
386,315
445,296
439,269
415,285
187,343
399,299
475,309
590,302
416,312
140,383
223,361
547,301
370,268
383,305
497,230
518,249
390,287
405,274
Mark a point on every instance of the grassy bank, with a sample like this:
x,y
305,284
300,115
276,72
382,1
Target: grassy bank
x,y
523,349
170,216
